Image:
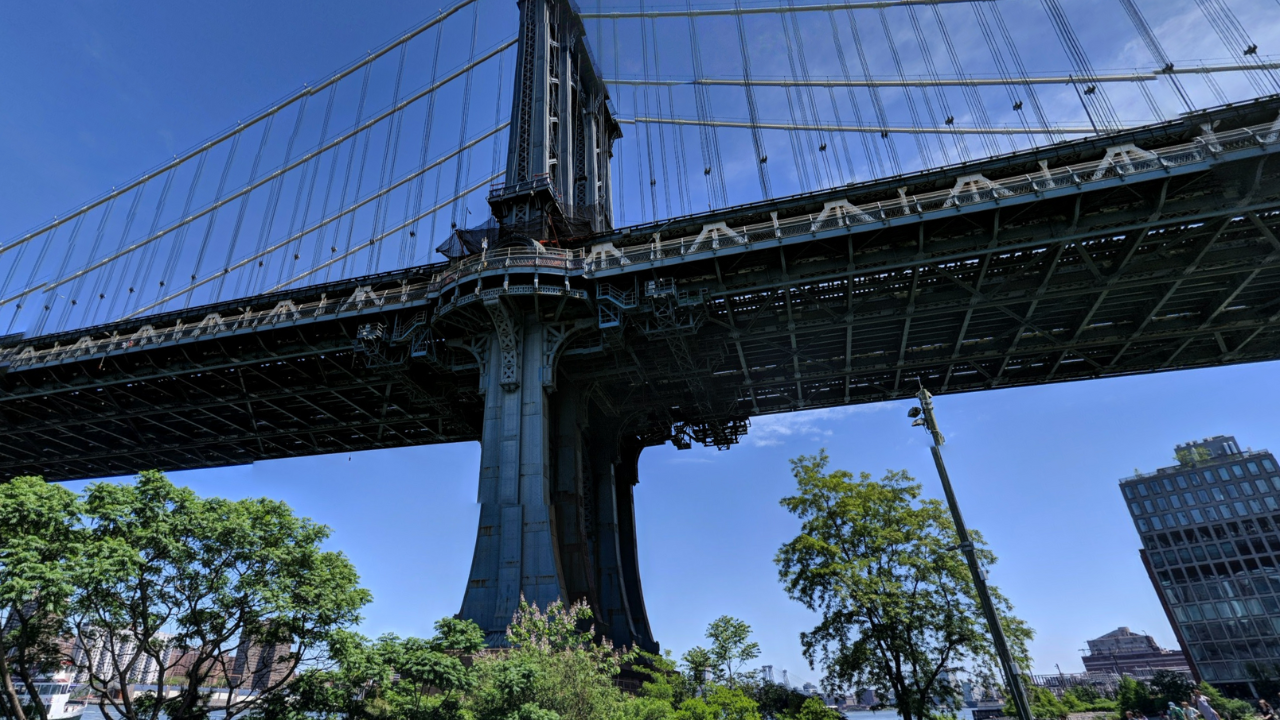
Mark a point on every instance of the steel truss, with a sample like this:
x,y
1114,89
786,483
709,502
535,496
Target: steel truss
x,y
1139,272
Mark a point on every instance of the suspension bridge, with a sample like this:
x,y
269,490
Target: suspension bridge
x,y
293,286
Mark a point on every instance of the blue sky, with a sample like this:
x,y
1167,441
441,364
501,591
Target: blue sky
x,y
93,93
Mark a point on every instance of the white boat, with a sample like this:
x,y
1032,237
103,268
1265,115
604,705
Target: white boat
x,y
63,699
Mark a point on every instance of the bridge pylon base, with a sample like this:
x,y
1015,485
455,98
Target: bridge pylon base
x,y
556,480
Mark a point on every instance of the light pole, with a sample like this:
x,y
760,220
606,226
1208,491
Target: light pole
x,y
1012,676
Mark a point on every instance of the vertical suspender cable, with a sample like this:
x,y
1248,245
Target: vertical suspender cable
x,y
1237,39
1156,49
1094,94
464,158
648,134
73,292
346,177
894,163
994,48
870,150
47,303
364,160
922,143
410,255
179,236
708,137
825,140
1032,95
124,292
273,202
682,192
295,253
973,99
794,136
620,186
103,277
939,92
757,137
244,206
389,155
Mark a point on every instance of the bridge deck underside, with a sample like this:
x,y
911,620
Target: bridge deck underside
x,y
1161,273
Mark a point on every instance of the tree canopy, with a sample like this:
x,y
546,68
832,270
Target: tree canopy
x,y
879,564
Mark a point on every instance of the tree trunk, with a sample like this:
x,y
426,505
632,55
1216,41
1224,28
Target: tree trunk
x,y
10,692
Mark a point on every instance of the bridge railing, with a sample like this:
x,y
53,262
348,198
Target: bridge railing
x,y
1120,161
514,258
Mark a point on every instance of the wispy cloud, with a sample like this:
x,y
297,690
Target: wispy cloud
x,y
809,425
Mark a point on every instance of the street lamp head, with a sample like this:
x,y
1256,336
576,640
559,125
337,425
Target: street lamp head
x,y
914,412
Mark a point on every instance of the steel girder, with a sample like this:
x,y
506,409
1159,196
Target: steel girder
x,y
1150,272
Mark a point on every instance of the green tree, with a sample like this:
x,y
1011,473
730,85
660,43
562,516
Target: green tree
x,y
554,669
1044,704
170,573
1133,694
731,649
814,709
39,537
719,703
898,605
778,701
1168,686
1228,708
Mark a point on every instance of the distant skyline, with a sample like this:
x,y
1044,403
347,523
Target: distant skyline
x,y
93,94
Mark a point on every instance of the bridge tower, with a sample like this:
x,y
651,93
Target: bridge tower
x,y
557,469
557,183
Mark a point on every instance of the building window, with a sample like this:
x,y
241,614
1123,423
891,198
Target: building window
x,y
1271,503
1239,471
1182,519
1217,494
1137,509
1150,508
1198,552
1255,506
1195,479
1246,488
1253,468
1211,513
1161,504
1214,552
1168,484
1261,485
1188,498
1232,492
1225,512
1155,487
1222,473
1155,522
1182,482
1268,465
1142,525
1142,490
1197,515
1168,521
1128,491
1204,495
1240,509
1175,501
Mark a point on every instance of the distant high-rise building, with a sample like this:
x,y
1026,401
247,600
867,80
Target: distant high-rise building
x,y
100,654
1125,652
259,667
1210,530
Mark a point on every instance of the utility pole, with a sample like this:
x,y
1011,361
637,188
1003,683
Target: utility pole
x,y
1012,675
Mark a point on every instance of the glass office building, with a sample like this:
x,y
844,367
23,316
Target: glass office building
x,y
1210,530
